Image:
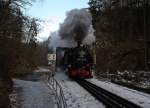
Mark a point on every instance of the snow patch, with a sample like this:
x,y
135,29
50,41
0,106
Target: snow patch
x,y
75,95
35,94
134,96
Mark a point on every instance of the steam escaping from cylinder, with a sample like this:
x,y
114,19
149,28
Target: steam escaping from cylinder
x,y
76,25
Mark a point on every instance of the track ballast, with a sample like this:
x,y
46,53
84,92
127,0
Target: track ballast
x,y
109,99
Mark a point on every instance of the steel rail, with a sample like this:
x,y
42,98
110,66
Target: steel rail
x,y
109,99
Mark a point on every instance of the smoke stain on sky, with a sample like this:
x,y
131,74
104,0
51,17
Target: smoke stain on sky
x,y
54,13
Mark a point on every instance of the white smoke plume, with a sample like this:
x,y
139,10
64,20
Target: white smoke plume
x,y
56,41
53,40
90,38
77,27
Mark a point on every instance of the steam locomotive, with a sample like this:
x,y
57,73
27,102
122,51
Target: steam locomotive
x,y
78,62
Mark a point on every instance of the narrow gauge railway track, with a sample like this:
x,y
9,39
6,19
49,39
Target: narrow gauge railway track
x,y
109,99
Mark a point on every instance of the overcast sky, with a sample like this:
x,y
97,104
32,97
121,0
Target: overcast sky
x,y
53,12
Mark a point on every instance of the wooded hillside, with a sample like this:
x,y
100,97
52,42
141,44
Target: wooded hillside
x,y
122,29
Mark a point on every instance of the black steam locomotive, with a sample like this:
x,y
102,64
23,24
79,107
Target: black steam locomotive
x,y
78,62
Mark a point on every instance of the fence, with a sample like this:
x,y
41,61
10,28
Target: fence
x,y
57,89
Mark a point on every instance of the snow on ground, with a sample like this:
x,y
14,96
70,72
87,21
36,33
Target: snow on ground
x,y
34,95
75,95
137,97
31,91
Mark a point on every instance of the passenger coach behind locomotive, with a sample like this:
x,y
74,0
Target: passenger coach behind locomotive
x,y
78,62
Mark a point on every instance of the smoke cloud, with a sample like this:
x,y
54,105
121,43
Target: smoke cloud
x,y
76,25
56,41
90,38
76,28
